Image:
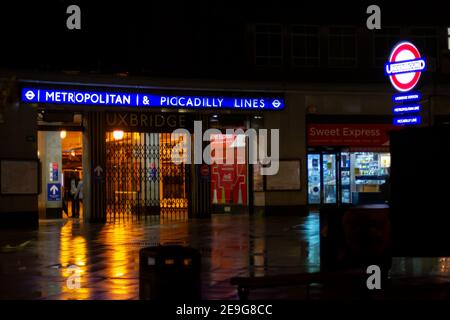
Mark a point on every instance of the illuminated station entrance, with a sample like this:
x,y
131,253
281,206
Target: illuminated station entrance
x,y
125,151
141,178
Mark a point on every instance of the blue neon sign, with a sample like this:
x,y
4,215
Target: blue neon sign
x,y
404,121
406,97
406,109
122,99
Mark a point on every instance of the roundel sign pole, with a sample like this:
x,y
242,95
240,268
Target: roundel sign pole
x,y
404,68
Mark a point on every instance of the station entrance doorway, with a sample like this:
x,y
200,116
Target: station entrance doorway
x,y
60,153
141,177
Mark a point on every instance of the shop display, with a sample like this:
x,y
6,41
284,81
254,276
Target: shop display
x,y
368,173
345,176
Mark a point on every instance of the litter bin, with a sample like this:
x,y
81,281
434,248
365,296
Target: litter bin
x,y
169,272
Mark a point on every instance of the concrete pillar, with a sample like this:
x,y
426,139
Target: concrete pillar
x,y
50,155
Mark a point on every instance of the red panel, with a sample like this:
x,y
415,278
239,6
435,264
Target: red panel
x,y
228,181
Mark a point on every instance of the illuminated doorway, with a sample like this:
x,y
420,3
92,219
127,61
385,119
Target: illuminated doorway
x,y
60,153
142,179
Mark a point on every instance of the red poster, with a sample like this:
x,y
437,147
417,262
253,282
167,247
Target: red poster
x,y
349,135
229,181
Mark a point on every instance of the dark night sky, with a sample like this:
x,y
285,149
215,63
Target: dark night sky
x,y
116,34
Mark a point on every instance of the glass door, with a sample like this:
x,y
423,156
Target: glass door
x,y
345,177
329,177
314,181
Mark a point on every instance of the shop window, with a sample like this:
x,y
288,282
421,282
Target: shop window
x,y
384,40
305,46
369,171
268,45
342,47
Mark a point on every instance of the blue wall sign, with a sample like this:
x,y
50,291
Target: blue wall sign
x,y
53,191
53,172
406,97
406,109
107,98
405,121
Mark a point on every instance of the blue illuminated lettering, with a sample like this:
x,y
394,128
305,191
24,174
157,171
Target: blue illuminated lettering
x,y
50,96
32,95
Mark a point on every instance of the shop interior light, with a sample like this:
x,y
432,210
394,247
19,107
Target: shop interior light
x,y
63,134
72,153
118,134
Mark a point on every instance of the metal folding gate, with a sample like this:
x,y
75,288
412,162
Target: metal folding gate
x,y
142,179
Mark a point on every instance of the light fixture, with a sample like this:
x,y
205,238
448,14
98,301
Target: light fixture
x,y
72,153
118,134
63,134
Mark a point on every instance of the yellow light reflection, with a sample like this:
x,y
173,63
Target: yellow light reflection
x,y
73,251
117,260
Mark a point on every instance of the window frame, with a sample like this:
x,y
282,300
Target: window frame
x,y
341,36
268,57
306,57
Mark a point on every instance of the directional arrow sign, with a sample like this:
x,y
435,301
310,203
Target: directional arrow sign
x,y
98,171
53,192
54,189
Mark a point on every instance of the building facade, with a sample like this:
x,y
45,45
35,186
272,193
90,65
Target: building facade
x,y
333,129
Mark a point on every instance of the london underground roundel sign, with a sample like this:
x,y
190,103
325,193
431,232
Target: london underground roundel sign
x,y
405,66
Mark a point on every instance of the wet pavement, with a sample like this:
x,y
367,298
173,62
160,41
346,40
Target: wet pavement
x,y
107,255
37,264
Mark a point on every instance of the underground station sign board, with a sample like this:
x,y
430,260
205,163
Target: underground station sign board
x,y
404,68
144,100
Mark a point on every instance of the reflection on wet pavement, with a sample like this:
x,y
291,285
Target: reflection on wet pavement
x,y
105,257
